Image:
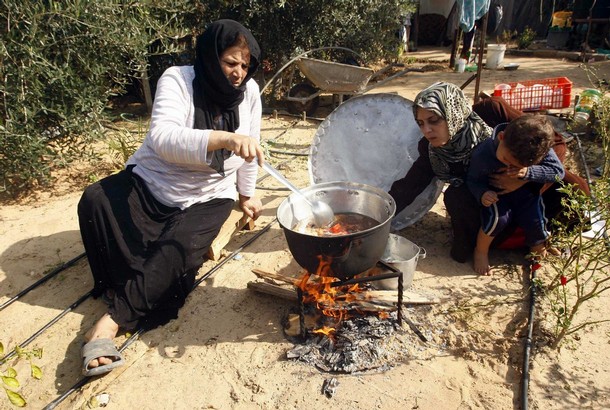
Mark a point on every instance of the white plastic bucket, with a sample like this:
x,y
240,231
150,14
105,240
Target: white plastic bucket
x,y
495,55
401,254
461,65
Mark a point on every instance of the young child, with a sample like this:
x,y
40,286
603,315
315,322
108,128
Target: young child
x,y
522,150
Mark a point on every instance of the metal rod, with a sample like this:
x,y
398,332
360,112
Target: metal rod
x,y
366,279
388,79
416,330
399,307
42,280
48,325
301,314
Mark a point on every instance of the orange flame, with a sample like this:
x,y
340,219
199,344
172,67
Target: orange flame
x,y
329,300
325,330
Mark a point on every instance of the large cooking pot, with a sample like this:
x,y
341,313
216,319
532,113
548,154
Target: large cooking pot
x,y
347,255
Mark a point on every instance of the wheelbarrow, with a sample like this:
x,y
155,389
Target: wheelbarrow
x,y
328,77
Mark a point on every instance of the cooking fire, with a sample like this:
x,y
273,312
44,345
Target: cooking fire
x,y
341,326
348,328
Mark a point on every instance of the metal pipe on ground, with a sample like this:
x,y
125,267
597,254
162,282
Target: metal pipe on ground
x,y
85,379
533,266
48,325
42,280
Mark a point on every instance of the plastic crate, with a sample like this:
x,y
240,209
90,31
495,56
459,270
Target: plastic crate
x,y
534,95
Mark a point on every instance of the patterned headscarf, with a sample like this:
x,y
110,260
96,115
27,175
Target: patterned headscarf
x,y
466,129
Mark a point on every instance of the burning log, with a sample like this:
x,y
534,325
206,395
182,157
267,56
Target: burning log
x,y
275,276
374,305
381,298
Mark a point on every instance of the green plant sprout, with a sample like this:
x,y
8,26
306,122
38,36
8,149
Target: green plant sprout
x,y
10,383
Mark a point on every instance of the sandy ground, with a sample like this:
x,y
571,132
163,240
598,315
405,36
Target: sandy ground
x,y
227,349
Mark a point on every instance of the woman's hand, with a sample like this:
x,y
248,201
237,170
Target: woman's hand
x,y
251,206
514,172
242,145
246,147
507,182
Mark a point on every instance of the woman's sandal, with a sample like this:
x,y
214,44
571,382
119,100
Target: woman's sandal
x,y
100,348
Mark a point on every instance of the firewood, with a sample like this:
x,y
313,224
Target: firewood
x,y
380,298
274,290
236,221
276,276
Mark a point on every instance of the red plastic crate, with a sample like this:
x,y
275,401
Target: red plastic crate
x,y
534,95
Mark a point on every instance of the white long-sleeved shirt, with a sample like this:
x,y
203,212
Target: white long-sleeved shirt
x,y
173,159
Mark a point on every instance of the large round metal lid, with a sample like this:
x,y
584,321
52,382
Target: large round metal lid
x,y
371,139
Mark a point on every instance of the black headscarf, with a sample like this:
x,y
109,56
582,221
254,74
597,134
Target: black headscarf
x,y
213,93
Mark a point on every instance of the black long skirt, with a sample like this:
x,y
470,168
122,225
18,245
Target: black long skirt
x,y
146,252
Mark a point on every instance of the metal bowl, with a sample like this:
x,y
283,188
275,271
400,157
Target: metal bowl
x,y
346,255
372,139
511,66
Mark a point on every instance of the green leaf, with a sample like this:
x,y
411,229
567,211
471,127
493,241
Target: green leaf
x,y
1,349
11,372
11,382
36,372
37,352
16,398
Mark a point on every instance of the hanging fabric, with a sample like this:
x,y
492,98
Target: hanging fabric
x,y
471,11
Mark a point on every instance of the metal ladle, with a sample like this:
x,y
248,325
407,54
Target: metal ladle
x,y
323,214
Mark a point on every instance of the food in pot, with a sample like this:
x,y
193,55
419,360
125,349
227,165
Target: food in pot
x,y
343,224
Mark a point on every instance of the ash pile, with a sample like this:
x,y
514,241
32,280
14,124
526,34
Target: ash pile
x,y
364,343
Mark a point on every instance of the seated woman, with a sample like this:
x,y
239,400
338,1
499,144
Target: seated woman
x,y
147,229
451,129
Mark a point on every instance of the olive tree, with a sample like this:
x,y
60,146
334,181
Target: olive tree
x,y
62,61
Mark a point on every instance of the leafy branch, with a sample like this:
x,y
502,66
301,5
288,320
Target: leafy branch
x,y
582,272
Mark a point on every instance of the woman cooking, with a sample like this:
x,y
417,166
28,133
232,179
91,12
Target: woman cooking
x,y
147,229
